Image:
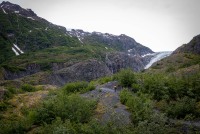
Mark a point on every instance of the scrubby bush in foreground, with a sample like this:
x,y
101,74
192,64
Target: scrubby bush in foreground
x,y
80,86
126,77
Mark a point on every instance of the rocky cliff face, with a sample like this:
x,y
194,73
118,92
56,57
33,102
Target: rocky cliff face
x,y
119,60
30,69
83,71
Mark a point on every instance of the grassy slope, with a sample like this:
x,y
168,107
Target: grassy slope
x,y
30,35
43,43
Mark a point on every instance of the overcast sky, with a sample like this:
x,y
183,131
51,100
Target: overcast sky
x,y
161,25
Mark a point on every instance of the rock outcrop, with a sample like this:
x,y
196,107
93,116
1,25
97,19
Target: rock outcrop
x,y
192,47
119,60
82,71
29,70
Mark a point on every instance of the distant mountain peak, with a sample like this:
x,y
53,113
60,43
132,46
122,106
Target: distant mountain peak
x,y
14,8
123,42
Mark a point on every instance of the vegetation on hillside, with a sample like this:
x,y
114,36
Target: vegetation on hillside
x,y
157,99
30,35
152,99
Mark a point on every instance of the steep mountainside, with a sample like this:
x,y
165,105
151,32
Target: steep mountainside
x,y
192,47
122,42
184,60
33,48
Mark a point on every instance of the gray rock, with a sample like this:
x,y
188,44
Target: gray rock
x,y
82,71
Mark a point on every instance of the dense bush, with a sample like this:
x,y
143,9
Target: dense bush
x,y
19,126
140,105
126,77
144,119
104,80
3,106
78,87
157,124
58,127
181,108
93,127
28,88
125,95
71,107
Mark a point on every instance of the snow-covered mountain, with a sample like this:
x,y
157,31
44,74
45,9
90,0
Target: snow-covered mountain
x,y
120,42
157,56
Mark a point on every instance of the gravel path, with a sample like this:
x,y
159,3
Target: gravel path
x,y
109,107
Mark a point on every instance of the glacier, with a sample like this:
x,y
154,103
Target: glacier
x,y
158,56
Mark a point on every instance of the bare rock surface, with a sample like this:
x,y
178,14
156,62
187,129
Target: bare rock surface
x,y
109,107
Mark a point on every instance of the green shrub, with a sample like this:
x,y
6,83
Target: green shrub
x,y
181,108
135,87
20,126
71,107
141,107
12,90
90,87
9,92
139,104
104,80
170,69
75,87
58,127
28,88
3,106
125,96
157,124
126,77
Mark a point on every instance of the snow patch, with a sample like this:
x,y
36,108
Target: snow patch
x,y
15,51
129,54
130,50
46,29
18,48
106,48
30,18
80,40
16,11
148,54
98,33
30,31
2,6
4,11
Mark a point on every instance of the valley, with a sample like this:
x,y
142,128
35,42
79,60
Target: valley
x,y
59,80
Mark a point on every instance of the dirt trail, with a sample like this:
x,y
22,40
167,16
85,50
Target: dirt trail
x,y
109,107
